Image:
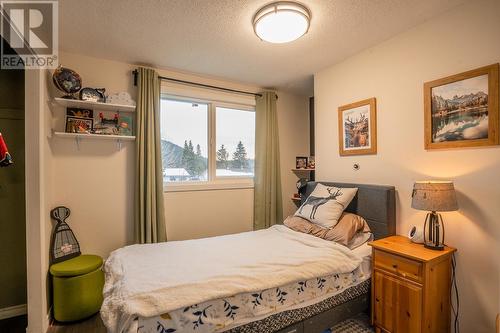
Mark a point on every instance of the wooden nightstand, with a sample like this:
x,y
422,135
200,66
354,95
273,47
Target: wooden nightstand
x,y
410,287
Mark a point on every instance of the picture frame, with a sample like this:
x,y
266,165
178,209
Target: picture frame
x,y
357,125
125,125
80,113
301,162
462,110
79,125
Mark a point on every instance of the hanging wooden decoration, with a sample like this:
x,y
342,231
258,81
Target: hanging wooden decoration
x,y
64,245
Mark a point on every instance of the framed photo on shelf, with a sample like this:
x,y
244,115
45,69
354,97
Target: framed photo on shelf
x,y
80,113
462,110
125,125
79,125
358,128
301,162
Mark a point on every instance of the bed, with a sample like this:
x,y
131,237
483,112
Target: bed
x,y
310,287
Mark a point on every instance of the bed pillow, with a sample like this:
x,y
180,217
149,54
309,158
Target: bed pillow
x,y
359,239
348,226
326,204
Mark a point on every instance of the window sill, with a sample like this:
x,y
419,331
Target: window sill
x,y
206,186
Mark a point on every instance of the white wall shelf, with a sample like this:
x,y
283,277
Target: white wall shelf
x,y
94,136
76,103
80,136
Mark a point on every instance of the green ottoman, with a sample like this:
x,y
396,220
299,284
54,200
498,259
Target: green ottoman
x,y
77,285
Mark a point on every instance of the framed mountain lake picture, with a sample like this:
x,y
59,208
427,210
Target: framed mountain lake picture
x,y
462,110
358,128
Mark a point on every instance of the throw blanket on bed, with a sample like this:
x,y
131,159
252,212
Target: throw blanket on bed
x,y
152,279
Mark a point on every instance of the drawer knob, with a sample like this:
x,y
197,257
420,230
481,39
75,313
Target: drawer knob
x,y
377,300
394,266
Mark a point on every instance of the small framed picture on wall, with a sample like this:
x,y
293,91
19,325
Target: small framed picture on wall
x,y
79,125
301,162
462,110
358,128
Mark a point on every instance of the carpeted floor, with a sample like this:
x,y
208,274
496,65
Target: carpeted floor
x,y
359,324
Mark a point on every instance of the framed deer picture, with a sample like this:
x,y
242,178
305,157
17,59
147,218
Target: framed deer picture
x,y
358,128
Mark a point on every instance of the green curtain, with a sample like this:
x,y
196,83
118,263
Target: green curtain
x,y
149,210
267,191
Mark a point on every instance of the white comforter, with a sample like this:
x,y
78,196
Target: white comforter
x,y
152,279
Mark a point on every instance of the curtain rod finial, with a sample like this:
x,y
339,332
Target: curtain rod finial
x,y
135,73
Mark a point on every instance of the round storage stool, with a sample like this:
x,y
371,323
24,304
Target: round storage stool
x,y
77,285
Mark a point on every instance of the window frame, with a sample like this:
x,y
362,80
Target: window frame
x,y
213,182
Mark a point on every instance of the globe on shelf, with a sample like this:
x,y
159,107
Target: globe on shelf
x,y
68,81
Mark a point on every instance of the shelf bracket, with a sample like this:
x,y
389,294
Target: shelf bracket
x,y
119,144
77,140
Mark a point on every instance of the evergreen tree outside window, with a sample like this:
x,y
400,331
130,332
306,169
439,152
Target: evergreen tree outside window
x,y
222,158
240,157
184,141
235,135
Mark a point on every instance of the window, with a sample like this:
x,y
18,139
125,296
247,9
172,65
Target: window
x,y
235,141
184,137
206,143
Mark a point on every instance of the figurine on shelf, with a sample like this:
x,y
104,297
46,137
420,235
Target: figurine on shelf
x,y
93,94
68,81
122,98
301,185
311,164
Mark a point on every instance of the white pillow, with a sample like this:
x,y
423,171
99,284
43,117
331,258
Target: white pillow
x,y
325,205
359,239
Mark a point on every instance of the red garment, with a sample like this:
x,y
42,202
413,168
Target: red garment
x,y
5,158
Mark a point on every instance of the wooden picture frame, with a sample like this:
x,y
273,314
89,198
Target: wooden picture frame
x,y
301,162
459,113
79,125
358,136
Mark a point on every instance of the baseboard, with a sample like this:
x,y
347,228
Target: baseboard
x,y
13,311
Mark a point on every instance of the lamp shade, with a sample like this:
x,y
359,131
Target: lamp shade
x,y
435,196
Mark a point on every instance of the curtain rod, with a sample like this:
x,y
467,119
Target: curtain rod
x,y
136,73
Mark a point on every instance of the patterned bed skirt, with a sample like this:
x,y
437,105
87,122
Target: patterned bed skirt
x,y
284,319
214,317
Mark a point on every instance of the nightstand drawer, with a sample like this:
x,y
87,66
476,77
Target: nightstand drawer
x,y
404,267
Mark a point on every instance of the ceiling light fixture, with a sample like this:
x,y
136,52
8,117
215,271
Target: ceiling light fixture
x,y
281,22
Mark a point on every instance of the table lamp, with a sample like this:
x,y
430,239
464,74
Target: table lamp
x,y
434,196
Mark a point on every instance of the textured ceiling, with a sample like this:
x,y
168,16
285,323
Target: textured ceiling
x,y
215,37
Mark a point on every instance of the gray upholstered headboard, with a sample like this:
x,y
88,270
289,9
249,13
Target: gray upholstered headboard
x,y
376,203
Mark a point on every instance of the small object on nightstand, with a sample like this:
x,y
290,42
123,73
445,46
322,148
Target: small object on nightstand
x,y
415,274
416,235
434,196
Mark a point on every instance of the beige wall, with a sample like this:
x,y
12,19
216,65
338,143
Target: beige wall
x,y
394,73
293,123
97,181
201,214
38,192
